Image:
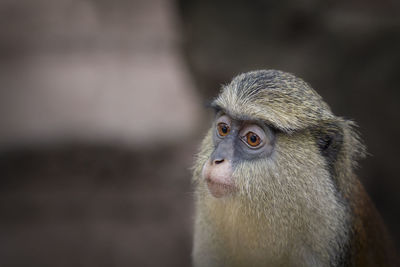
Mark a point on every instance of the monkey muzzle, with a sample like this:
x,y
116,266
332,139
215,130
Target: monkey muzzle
x,y
218,176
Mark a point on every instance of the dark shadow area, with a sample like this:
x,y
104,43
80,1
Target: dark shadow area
x,y
97,205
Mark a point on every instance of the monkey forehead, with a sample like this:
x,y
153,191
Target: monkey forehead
x,y
277,97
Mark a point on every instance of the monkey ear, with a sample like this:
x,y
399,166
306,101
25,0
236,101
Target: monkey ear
x,y
330,140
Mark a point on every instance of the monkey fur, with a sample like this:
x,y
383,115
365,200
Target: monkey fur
x,y
299,205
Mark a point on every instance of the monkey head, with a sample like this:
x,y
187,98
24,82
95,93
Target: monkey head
x,y
253,114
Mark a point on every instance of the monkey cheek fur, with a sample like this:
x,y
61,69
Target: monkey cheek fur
x,y
219,179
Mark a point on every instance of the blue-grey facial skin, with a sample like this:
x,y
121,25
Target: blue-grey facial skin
x,y
233,147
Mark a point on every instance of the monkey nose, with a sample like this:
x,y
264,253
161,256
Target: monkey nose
x,y
218,161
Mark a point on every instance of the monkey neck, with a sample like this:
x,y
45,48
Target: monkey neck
x,y
236,233
247,232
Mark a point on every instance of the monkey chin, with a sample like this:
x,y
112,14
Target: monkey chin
x,y
218,190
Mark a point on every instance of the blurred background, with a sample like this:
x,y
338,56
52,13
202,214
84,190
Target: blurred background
x,y
102,109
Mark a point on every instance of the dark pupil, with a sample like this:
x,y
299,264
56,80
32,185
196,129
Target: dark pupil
x,y
224,129
253,138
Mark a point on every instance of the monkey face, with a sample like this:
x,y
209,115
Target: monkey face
x,y
234,141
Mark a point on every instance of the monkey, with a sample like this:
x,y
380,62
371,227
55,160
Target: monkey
x,y
275,181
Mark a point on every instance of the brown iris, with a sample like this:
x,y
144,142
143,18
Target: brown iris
x,y
223,129
252,139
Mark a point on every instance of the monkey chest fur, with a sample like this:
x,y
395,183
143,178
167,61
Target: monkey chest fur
x,y
227,234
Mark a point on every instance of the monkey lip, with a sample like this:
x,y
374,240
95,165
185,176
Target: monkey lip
x,y
219,190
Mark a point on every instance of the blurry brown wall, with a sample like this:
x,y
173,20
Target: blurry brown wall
x,y
92,71
97,133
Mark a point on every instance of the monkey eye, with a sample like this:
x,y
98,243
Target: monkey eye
x,y
223,129
253,136
253,139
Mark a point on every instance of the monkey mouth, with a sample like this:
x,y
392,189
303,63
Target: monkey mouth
x,y
219,190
